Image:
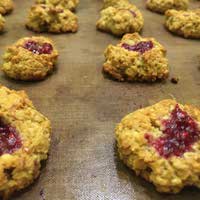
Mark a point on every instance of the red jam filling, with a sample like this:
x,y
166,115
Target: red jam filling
x,y
131,11
36,48
179,134
140,47
9,139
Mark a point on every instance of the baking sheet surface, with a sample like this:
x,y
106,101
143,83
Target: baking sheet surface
x,y
84,107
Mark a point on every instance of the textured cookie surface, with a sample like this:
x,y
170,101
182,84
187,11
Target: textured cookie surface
x,y
162,144
161,6
65,4
184,23
6,6
120,17
2,23
24,141
30,58
46,18
136,59
114,3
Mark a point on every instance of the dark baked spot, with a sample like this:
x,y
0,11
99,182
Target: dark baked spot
x,y
8,172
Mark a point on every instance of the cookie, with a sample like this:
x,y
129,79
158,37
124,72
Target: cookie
x,y
24,141
161,143
6,6
136,59
115,3
120,18
2,23
160,6
183,23
46,18
30,58
65,4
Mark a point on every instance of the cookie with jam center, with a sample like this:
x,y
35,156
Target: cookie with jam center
x,y
30,58
136,59
161,143
24,141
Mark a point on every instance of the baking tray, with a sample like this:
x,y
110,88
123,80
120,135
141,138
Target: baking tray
x,y
84,107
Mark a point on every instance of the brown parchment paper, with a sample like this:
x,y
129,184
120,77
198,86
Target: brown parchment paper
x,y
84,107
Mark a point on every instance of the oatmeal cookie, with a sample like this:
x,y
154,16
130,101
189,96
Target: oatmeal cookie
x,y
161,143
65,4
6,6
120,19
2,23
184,23
136,59
46,18
24,141
30,58
160,6
115,3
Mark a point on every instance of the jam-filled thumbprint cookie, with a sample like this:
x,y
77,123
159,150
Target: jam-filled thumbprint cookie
x,y
161,143
30,58
136,59
24,141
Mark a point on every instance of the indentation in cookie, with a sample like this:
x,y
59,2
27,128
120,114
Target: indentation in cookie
x,y
37,48
131,11
141,47
180,133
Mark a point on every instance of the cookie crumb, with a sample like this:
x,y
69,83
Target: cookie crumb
x,y
175,80
42,195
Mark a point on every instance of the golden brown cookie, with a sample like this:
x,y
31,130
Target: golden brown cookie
x,y
46,18
115,3
161,143
184,23
65,4
2,23
136,59
120,18
24,141
6,6
30,58
161,6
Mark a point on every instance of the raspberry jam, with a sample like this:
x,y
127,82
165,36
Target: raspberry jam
x,y
133,13
180,133
36,48
141,47
9,139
